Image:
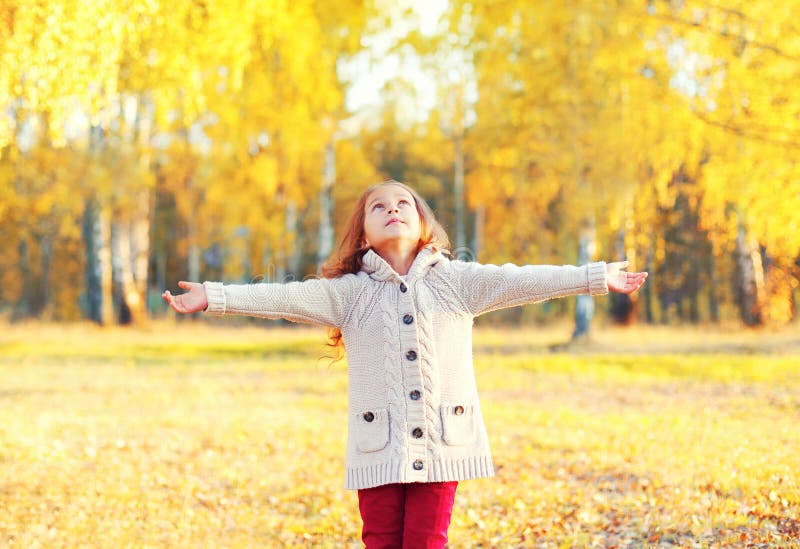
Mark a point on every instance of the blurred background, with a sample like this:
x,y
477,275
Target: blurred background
x,y
144,142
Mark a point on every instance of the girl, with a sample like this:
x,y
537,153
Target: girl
x,y
404,312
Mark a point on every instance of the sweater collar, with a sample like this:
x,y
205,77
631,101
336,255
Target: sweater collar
x,y
377,267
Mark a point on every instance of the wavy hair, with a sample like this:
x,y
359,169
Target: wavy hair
x,y
349,258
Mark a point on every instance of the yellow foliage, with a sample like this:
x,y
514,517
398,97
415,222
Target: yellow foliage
x,y
567,111
264,171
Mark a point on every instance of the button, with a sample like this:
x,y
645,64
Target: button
x,y
417,433
414,395
411,355
408,319
403,287
458,410
368,417
417,465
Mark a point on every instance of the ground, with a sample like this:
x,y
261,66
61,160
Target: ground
x,y
189,434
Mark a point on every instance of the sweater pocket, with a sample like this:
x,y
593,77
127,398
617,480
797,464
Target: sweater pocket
x,y
372,430
458,424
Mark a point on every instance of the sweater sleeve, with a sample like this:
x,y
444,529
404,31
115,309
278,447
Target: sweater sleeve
x,y
485,287
321,301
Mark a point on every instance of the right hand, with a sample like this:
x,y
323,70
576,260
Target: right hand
x,y
622,281
195,300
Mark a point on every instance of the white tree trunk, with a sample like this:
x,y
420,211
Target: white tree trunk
x,y
480,224
325,245
294,248
194,249
130,238
122,274
140,230
96,236
584,309
749,280
458,190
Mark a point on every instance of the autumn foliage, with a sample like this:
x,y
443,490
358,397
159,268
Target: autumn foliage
x,y
144,142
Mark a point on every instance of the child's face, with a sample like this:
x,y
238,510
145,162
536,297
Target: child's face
x,y
391,218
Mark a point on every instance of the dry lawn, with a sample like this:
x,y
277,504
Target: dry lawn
x,y
231,435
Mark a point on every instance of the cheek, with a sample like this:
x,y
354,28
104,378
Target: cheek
x,y
367,228
370,225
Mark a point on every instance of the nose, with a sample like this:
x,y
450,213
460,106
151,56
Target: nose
x,y
393,209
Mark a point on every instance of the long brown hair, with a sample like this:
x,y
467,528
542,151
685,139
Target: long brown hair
x,y
349,258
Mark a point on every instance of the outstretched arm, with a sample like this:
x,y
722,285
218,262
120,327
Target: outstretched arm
x,y
486,287
314,301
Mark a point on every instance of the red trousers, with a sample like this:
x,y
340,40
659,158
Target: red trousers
x,y
407,516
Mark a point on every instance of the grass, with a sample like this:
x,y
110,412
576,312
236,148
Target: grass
x,y
229,435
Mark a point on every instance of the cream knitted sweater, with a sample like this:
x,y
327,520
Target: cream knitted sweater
x,y
414,414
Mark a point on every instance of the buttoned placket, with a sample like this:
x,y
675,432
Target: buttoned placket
x,y
416,463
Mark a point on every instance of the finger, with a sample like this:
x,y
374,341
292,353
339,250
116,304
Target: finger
x,y
185,285
636,277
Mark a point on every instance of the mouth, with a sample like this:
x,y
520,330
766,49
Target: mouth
x,y
393,220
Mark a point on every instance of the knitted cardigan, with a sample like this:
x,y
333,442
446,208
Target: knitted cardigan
x,y
413,410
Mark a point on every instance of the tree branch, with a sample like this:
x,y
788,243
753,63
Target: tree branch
x,y
791,145
768,47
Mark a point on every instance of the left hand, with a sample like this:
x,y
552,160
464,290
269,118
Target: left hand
x,y
621,281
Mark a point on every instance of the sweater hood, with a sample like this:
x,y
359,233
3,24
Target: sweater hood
x,y
378,269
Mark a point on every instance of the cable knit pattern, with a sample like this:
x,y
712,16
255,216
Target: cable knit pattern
x,y
394,380
430,382
413,408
